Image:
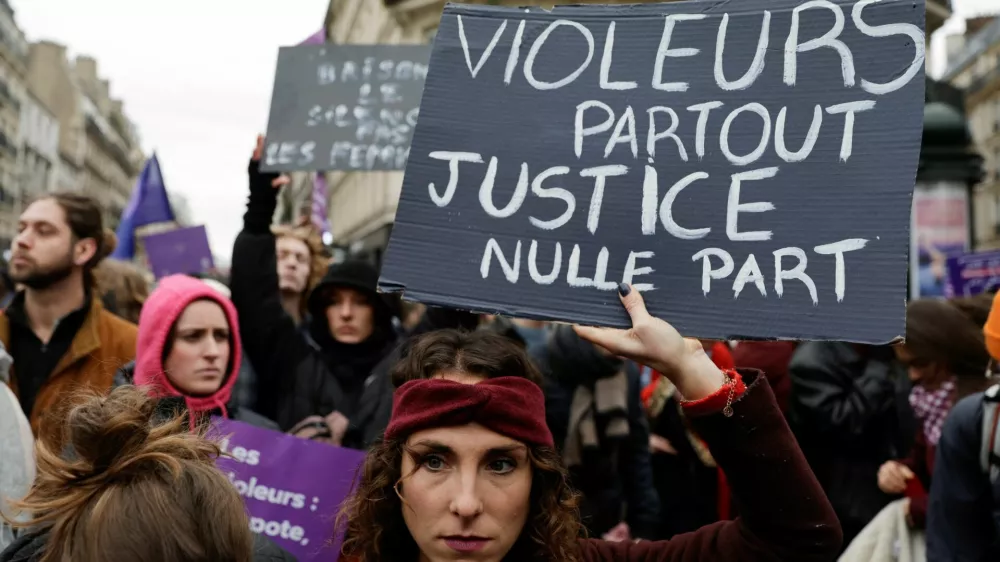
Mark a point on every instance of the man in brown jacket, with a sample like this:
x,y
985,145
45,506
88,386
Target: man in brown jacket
x,y
56,329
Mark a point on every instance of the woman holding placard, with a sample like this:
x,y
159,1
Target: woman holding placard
x,y
467,468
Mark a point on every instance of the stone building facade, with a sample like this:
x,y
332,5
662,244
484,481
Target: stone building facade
x,y
59,129
974,66
38,137
110,163
51,80
13,56
99,150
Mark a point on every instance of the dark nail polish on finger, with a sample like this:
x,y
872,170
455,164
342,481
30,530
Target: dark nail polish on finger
x,y
624,289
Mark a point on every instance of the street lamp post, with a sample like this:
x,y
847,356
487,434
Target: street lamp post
x,y
942,221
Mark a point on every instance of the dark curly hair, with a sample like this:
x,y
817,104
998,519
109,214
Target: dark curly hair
x,y
938,331
372,517
951,333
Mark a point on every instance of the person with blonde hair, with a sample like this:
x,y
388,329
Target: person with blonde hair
x,y
301,264
133,486
124,288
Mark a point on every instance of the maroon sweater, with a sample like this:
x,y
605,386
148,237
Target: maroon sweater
x,y
784,514
921,462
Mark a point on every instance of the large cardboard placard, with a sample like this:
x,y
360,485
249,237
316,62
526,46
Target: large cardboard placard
x,y
344,107
747,165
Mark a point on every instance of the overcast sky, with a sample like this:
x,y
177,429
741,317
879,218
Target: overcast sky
x,y
196,78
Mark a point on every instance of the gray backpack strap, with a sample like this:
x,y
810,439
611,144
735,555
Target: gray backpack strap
x,y
989,456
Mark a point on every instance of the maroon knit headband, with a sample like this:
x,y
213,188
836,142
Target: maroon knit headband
x,y
510,406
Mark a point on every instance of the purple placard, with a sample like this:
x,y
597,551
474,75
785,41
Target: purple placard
x,y
292,487
972,274
184,250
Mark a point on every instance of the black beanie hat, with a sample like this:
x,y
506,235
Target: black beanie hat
x,y
354,274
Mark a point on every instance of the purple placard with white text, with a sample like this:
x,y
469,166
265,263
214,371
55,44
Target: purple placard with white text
x,y
184,250
292,487
972,274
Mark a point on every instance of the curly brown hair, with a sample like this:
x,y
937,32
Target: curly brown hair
x,y
318,261
372,517
938,331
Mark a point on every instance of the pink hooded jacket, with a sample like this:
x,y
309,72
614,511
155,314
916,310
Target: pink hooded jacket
x,y
159,315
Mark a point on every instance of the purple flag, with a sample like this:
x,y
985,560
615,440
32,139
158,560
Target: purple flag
x,y
292,487
148,204
317,38
319,201
184,250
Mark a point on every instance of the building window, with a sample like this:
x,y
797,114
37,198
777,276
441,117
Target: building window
x,y
996,115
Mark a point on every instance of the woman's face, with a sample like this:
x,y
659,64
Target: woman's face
x,y
466,492
350,316
920,371
199,354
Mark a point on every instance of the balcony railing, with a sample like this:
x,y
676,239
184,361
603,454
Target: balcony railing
x,y
121,127
974,46
7,97
15,48
7,146
109,144
983,81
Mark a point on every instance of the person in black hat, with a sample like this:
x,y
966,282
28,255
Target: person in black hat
x,y
349,310
352,324
340,372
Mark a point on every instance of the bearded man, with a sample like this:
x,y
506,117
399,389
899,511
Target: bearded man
x,y
56,328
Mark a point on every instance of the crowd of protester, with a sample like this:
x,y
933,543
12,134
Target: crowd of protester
x,y
657,447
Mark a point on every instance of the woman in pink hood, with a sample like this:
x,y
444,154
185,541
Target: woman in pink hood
x,y
188,351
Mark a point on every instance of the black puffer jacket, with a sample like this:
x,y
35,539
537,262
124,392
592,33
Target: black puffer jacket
x,y
28,548
850,410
